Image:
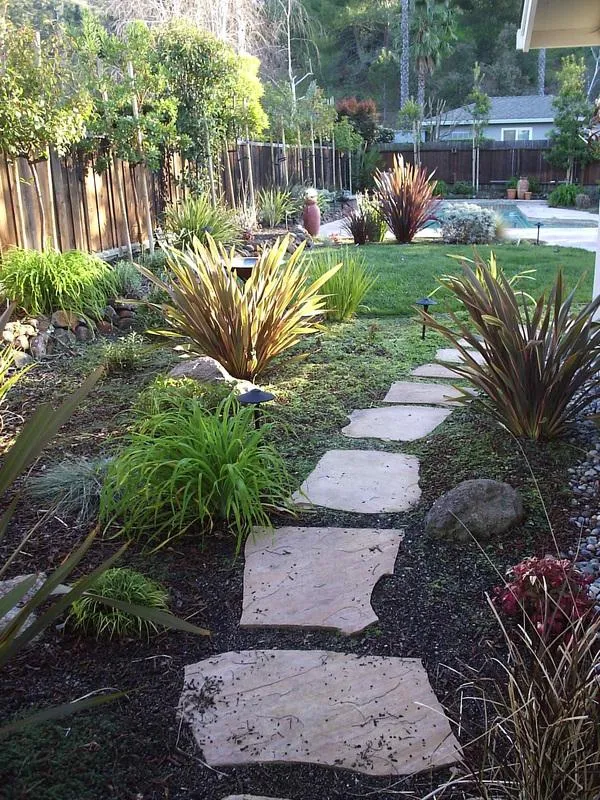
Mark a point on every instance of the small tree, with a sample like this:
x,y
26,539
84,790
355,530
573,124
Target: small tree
x,y
480,114
410,120
568,146
41,105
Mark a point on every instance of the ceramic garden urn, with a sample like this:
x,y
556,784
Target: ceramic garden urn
x,y
522,187
311,215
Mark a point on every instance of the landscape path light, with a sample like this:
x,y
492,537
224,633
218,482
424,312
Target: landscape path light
x,y
425,302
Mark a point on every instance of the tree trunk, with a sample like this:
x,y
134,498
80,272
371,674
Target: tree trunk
x,y
250,174
123,204
144,181
405,56
421,88
542,71
285,163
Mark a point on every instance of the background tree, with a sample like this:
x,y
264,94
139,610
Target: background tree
x,y
574,112
434,32
541,74
404,52
41,103
362,114
410,120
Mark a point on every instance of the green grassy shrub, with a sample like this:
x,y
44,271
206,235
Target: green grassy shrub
x,y
178,394
274,205
45,282
346,289
189,469
127,354
564,195
125,585
196,216
128,279
440,189
365,223
72,487
462,189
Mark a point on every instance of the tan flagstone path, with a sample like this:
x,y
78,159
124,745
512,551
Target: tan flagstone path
x,y
375,715
395,423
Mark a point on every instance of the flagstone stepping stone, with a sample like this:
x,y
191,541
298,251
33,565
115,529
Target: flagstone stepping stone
x,y
434,371
454,356
422,393
315,577
363,481
7,586
374,715
395,423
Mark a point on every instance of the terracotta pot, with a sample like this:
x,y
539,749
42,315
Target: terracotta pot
x,y
511,194
522,187
311,217
527,195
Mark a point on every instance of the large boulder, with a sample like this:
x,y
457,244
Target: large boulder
x,y
205,369
482,508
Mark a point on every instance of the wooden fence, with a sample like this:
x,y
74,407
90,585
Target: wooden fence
x,y
498,161
89,209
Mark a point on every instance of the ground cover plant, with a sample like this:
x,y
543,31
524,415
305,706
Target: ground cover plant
x,y
196,217
189,468
540,359
244,326
406,199
172,394
346,289
125,354
43,282
92,616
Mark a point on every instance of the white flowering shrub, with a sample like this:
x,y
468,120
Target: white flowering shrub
x,y
468,223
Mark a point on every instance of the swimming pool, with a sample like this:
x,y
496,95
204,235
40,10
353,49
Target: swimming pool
x,y
509,213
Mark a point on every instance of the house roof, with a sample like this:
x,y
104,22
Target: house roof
x,y
554,23
525,108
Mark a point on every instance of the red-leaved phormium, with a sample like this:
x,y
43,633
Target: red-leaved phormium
x,y
550,592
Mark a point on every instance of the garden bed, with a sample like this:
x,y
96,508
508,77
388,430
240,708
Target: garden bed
x,y
433,607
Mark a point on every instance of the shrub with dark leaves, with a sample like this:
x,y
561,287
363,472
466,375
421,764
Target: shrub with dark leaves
x,y
406,198
550,592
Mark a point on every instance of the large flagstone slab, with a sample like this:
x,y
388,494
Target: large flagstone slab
x,y
422,393
395,423
315,577
451,355
434,371
362,481
373,715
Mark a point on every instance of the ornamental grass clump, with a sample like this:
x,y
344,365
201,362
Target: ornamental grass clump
x,y
347,287
190,470
274,206
72,487
172,394
43,282
244,326
540,357
540,738
406,198
365,223
91,614
198,218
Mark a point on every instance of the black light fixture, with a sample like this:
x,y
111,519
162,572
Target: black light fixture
x,y
539,225
255,397
425,302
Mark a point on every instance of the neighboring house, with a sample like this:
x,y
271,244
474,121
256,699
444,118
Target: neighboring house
x,y
523,118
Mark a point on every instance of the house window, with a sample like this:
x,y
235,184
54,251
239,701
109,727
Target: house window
x,y
517,134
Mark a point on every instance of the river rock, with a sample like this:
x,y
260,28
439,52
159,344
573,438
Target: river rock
x,y
482,508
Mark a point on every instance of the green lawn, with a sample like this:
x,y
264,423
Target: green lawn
x,y
408,272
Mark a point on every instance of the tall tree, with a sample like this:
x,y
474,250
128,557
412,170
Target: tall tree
x,y
574,113
480,113
542,71
404,52
434,31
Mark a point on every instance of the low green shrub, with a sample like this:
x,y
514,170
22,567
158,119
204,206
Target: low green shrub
x,y
178,394
189,469
274,206
72,487
440,189
156,262
346,289
126,354
92,616
564,195
534,185
43,282
197,216
468,223
463,189
128,280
